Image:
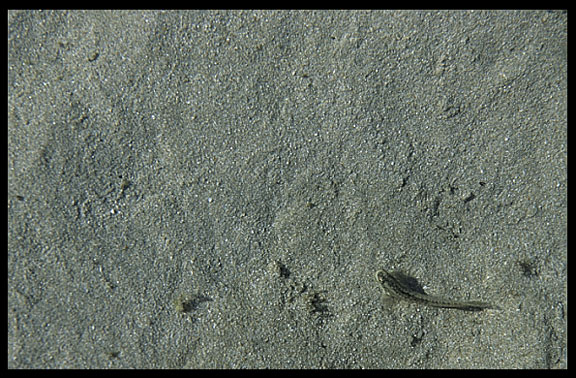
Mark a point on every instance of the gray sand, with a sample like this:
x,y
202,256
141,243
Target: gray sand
x,y
217,189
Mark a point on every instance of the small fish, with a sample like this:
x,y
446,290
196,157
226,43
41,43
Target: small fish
x,y
399,286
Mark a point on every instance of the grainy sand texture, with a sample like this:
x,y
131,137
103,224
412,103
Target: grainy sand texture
x,y
217,189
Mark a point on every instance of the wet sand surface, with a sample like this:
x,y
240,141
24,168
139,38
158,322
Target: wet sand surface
x,y
217,189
